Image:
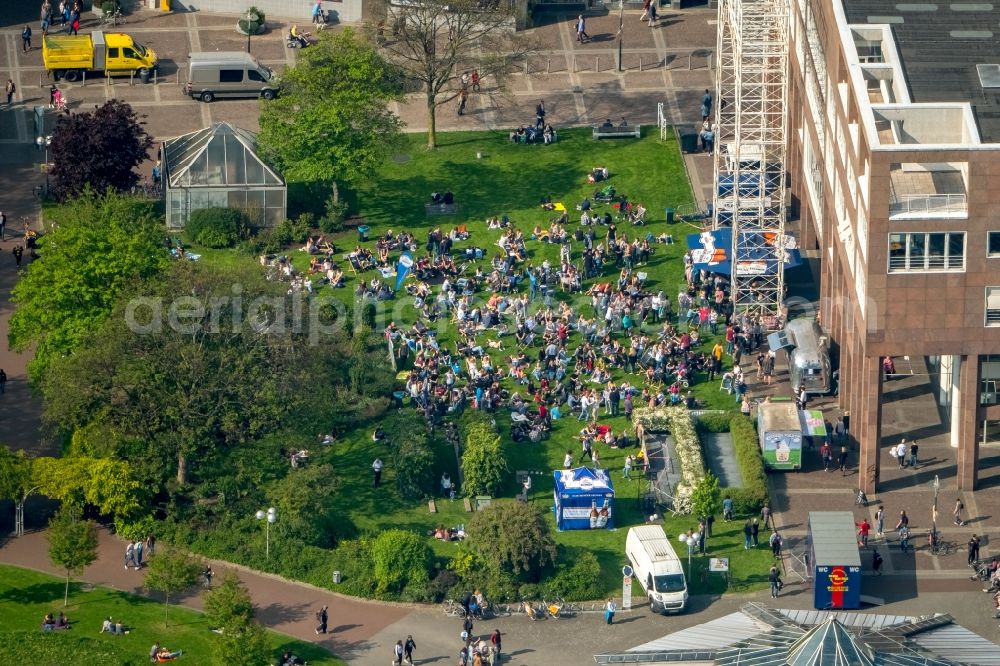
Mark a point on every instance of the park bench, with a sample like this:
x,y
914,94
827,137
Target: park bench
x,y
627,132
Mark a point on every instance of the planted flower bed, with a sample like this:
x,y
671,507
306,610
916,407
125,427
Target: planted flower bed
x,y
678,422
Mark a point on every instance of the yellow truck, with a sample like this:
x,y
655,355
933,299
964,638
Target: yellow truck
x,y
115,54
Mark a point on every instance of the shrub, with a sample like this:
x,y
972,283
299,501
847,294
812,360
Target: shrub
x,y
512,537
413,461
217,227
287,232
484,461
333,218
578,581
705,500
400,559
714,422
135,529
753,494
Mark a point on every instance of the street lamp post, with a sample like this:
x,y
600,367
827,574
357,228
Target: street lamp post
x,y
692,542
252,19
934,509
45,142
621,29
270,516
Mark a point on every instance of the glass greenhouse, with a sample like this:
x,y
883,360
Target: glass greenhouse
x,y
218,167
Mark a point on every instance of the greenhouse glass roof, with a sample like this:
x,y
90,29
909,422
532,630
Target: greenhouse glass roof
x,y
217,156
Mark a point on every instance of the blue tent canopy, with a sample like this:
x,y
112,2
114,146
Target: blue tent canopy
x,y
712,251
580,494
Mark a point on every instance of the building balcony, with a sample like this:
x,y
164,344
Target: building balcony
x,y
927,191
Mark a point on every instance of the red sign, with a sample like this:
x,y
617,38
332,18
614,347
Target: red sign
x,y
837,587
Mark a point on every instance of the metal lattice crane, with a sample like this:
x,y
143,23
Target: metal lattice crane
x,y
750,145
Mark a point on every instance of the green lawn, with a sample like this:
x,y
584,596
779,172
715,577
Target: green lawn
x,y
511,179
26,596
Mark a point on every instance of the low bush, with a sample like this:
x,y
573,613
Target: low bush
x,y
753,494
577,581
400,559
217,227
714,422
288,232
413,461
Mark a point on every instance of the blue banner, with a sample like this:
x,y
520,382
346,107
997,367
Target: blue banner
x,y
403,268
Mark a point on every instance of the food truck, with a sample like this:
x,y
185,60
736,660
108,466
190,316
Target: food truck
x,y
780,433
834,560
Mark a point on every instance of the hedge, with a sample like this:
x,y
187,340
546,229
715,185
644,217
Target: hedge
x,y
677,420
217,227
753,494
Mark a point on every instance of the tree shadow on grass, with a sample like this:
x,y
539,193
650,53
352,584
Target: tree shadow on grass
x,y
39,593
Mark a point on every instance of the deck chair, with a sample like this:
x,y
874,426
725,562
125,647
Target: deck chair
x,y
355,262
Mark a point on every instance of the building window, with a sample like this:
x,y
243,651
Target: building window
x,y
993,306
927,252
993,243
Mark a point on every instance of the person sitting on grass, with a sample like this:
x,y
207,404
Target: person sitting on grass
x,y
164,654
48,622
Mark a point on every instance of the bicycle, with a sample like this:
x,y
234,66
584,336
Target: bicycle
x,y
554,609
113,19
452,608
528,608
937,545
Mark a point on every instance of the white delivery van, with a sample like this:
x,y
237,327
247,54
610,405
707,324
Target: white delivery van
x,y
657,568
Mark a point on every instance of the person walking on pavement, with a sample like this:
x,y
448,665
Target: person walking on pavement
x,y
842,461
754,532
3,381
26,39
495,641
774,578
467,627
652,14
959,506
775,542
609,611
973,549
901,454
129,555
18,252
540,115
322,616
747,534
377,471
706,105
880,522
904,538
138,555
840,431
581,30
863,529
913,454
397,652
876,562
408,647
765,516
10,89
150,544
3,225
463,95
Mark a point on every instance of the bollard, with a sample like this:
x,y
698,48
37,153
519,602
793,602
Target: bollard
x,y
597,63
574,64
640,63
548,65
690,56
131,78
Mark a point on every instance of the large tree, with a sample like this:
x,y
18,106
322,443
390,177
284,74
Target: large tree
x,y
108,485
99,149
512,537
240,640
72,544
435,41
189,365
332,120
95,247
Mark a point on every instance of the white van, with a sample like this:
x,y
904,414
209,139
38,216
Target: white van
x,y
229,74
657,568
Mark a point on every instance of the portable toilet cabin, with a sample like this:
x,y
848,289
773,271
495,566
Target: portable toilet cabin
x,y
832,546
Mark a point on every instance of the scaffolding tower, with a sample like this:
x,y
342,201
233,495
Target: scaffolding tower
x,y
750,143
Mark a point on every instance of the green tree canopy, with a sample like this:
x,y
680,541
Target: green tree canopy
x,y
94,249
511,537
484,462
705,498
98,149
400,558
15,474
332,120
72,544
171,572
109,485
229,603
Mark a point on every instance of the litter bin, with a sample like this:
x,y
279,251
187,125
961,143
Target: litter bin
x,y
363,233
689,142
670,216
336,577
